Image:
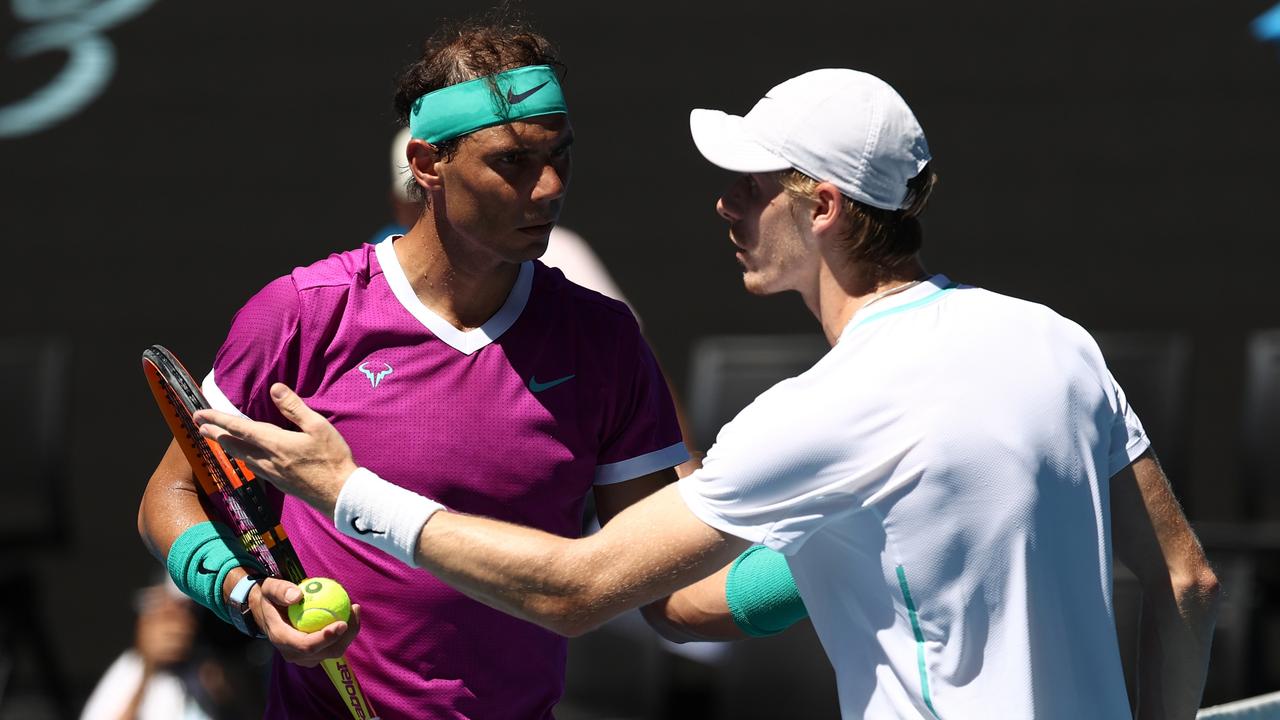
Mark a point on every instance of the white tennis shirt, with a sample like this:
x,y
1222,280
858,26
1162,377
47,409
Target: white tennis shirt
x,y
939,483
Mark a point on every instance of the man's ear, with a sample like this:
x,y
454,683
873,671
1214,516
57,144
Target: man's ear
x,y
827,210
424,160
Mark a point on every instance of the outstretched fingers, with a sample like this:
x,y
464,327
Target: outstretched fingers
x,y
220,427
294,409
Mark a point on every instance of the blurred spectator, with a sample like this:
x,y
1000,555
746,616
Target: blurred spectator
x,y
175,670
404,209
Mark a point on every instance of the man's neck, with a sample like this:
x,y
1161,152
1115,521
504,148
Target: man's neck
x,y
457,281
841,294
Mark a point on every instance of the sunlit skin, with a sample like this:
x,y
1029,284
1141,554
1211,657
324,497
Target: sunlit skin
x,y
763,226
657,545
491,206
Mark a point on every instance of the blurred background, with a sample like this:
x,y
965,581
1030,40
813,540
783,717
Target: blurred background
x,y
161,161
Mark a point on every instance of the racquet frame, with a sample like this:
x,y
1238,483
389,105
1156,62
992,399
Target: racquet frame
x,y
235,493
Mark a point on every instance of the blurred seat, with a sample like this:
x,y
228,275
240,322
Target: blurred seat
x,y
787,675
783,676
727,372
1260,475
1154,369
1260,435
34,518
34,382
1126,600
1245,553
616,671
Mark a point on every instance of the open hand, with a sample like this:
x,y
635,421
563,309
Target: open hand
x,y
312,464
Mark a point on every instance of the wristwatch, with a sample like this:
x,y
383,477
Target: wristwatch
x,y
238,606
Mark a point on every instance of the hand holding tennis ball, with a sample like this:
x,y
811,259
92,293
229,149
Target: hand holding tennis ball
x,y
323,602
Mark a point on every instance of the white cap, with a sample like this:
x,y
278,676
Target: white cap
x,y
842,126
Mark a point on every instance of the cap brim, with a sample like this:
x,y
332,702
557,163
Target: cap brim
x,y
720,138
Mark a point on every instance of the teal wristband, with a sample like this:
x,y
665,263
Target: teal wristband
x,y
761,593
200,559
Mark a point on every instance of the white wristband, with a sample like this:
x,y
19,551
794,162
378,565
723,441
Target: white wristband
x,y
383,514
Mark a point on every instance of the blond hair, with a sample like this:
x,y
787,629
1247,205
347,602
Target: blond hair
x,y
880,239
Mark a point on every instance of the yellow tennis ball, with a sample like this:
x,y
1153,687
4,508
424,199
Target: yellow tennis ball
x,y
323,602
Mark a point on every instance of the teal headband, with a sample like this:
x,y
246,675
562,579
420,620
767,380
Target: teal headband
x,y
456,110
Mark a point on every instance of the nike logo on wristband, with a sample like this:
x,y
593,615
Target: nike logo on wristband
x,y
204,570
517,98
365,531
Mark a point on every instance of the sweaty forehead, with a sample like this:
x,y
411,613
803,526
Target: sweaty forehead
x,y
529,132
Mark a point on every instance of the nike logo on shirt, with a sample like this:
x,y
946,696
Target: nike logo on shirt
x,y
537,387
517,98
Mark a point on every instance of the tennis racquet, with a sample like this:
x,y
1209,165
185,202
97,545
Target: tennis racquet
x,y
237,495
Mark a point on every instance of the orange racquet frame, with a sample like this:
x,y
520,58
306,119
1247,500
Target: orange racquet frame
x,y
236,494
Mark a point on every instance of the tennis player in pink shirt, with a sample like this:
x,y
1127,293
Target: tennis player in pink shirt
x,y
475,373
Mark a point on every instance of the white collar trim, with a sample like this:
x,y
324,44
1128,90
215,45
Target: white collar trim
x,y
467,342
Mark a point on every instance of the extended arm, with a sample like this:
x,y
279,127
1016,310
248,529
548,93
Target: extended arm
x,y
570,586
646,552
690,613
1179,590
696,612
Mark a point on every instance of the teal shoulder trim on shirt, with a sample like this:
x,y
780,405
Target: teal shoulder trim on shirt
x,y
932,297
762,594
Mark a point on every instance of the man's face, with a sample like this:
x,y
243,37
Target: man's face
x,y
764,225
504,187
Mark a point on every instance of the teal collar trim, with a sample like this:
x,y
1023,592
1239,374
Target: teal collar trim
x,y
460,109
932,297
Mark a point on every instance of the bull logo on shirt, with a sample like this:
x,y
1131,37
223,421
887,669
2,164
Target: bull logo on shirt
x,y
375,373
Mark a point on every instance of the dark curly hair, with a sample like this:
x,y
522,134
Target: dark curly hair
x,y
469,49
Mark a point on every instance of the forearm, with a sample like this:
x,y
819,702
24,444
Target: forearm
x,y
696,613
568,586
170,504
1179,590
1173,656
521,571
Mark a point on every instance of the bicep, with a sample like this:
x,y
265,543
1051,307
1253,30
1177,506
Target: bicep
x,y
1151,534
170,504
613,498
260,348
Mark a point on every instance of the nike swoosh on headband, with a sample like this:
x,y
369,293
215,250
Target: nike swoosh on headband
x,y
517,98
455,110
